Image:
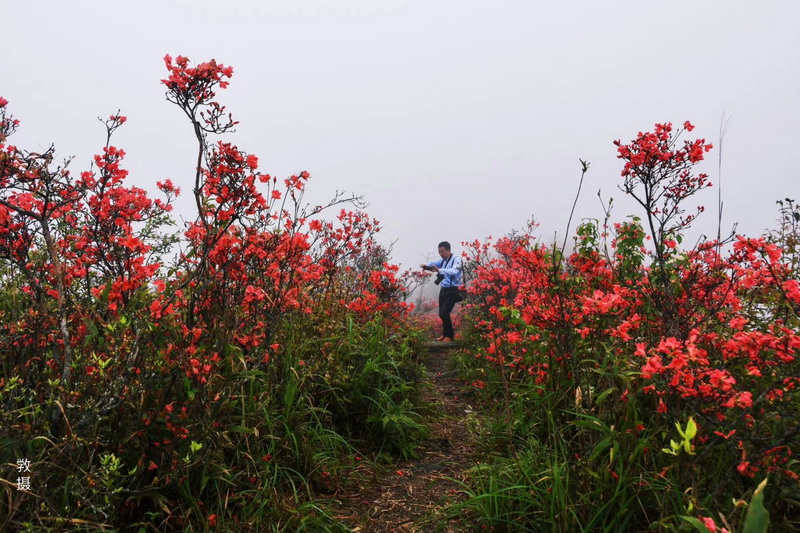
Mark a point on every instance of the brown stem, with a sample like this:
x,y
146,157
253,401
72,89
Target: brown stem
x,y
66,375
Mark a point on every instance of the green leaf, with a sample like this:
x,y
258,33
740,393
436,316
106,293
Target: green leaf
x,y
601,447
691,429
697,524
757,518
604,394
590,422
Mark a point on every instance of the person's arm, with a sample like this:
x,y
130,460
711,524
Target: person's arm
x,y
453,269
431,265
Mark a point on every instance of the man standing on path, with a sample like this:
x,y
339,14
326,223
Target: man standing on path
x,y
448,276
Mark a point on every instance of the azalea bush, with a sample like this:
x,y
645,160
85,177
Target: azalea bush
x,y
641,381
180,378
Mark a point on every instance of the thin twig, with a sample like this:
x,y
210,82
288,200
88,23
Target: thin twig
x,y
585,168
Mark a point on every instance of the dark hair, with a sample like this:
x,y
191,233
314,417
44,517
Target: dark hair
x,y
445,245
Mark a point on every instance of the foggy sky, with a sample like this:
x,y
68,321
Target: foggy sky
x,y
455,120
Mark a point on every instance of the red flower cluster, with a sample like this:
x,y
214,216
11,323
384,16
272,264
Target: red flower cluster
x,y
717,335
89,256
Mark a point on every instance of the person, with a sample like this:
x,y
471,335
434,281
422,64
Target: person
x,y
448,277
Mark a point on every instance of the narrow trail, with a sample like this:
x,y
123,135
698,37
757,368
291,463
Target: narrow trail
x,y
409,496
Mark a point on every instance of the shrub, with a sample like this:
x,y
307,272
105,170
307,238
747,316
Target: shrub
x,y
174,379
605,359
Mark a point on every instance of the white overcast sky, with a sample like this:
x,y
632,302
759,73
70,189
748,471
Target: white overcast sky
x,y
455,119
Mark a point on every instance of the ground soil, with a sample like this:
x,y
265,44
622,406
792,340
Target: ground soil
x,y
409,496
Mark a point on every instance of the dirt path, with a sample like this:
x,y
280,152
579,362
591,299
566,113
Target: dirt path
x,y
408,496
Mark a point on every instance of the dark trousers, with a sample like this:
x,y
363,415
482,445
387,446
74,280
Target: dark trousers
x,y
448,297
